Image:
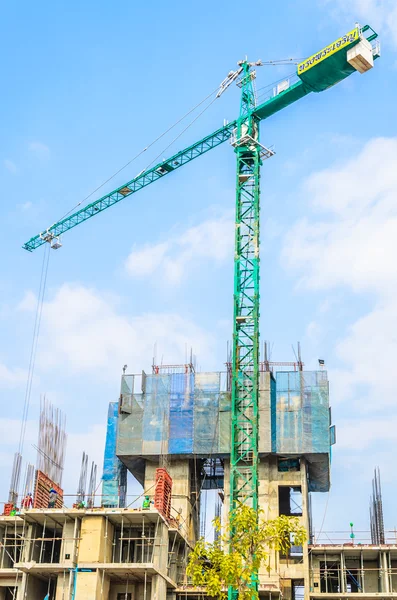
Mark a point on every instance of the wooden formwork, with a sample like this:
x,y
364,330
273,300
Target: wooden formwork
x,y
43,485
163,491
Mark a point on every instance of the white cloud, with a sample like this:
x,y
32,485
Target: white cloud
x,y
145,261
92,442
10,166
92,336
353,248
314,330
39,149
380,14
10,430
356,246
28,302
364,433
11,378
173,259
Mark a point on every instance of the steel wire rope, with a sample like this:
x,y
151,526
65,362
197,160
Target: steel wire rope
x,y
270,85
269,63
140,153
181,133
196,118
33,350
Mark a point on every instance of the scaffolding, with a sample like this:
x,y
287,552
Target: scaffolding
x,y
185,414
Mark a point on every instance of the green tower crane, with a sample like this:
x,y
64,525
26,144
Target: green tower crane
x,y
354,51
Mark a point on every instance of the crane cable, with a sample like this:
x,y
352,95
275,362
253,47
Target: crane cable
x,y
140,153
181,133
269,63
33,350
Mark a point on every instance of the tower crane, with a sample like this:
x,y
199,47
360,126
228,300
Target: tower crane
x,y
355,51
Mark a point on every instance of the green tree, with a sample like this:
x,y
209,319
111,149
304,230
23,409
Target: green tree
x,y
231,559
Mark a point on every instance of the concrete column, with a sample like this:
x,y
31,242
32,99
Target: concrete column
x,y
96,539
22,588
92,586
68,543
159,588
384,573
342,573
306,523
160,551
64,586
26,551
362,573
2,593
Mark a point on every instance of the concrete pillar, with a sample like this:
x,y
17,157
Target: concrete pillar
x,y
64,586
69,533
92,586
96,539
95,547
26,554
342,573
2,593
22,588
159,588
384,573
160,551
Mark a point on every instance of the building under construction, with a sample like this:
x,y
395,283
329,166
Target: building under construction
x,y
256,433
171,430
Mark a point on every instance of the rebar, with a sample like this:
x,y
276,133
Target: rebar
x,y
29,480
83,479
15,477
376,511
52,441
92,486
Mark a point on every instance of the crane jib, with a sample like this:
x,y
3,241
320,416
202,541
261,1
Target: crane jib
x,y
142,180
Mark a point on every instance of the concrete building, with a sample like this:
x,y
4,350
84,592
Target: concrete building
x,y
171,430
119,554
183,417
341,571
95,554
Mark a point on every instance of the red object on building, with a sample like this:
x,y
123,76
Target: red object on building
x,y
27,502
43,485
162,492
8,508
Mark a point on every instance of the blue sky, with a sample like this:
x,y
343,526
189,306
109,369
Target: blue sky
x,y
86,86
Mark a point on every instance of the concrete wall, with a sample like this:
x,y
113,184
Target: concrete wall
x,y
64,586
135,589
371,576
71,530
92,586
116,589
96,539
269,481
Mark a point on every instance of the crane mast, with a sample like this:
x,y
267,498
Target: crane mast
x,y
245,358
244,450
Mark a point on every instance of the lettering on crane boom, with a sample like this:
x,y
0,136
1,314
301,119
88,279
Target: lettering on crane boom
x,y
312,61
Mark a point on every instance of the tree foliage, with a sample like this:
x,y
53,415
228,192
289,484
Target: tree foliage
x,y
240,550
